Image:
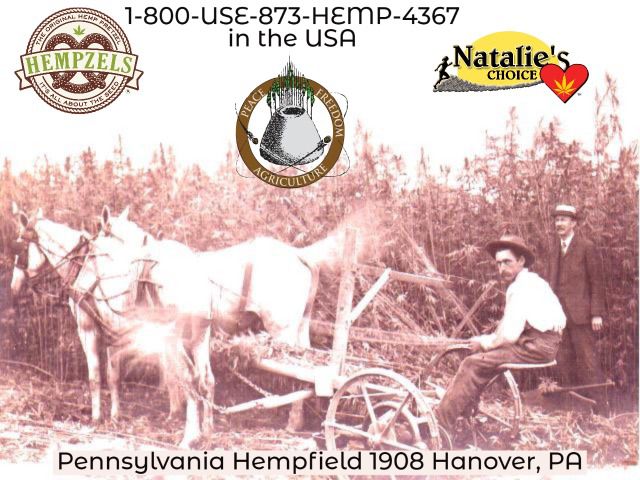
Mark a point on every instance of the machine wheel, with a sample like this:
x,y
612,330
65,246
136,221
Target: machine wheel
x,y
378,409
499,409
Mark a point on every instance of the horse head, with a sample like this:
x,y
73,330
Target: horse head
x,y
41,243
122,229
29,256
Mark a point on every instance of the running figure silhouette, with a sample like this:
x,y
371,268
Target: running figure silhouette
x,y
443,74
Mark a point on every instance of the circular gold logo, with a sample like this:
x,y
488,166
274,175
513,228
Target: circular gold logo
x,y
296,149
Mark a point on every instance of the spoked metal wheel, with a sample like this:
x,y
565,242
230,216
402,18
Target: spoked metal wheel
x,y
378,409
499,408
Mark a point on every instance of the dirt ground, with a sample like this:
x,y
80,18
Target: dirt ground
x,y
39,415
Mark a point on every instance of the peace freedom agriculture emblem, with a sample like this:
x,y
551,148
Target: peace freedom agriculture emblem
x,y
302,129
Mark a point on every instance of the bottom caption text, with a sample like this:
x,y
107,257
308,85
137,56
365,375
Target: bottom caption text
x,y
320,462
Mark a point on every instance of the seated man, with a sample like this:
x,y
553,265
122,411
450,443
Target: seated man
x,y
529,332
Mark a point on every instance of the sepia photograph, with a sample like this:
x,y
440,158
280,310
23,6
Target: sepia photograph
x,y
401,235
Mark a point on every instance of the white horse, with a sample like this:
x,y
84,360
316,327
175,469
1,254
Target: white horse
x,y
43,243
95,274
263,277
181,287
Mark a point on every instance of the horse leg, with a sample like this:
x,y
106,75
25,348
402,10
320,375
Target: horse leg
x,y
200,350
177,399
184,371
113,380
296,414
192,431
173,377
89,341
295,422
177,402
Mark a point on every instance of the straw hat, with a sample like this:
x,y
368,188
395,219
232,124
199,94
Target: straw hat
x,y
565,210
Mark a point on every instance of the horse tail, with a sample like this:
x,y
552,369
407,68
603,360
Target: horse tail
x,y
304,327
313,288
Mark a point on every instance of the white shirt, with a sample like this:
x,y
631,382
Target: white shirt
x,y
530,300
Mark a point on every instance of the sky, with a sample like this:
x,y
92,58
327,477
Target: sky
x,y
193,79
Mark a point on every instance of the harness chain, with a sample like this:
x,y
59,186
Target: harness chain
x,y
248,382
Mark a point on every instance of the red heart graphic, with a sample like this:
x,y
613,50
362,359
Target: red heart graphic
x,y
564,83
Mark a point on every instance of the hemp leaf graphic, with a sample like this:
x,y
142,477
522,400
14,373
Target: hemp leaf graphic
x,y
78,31
564,88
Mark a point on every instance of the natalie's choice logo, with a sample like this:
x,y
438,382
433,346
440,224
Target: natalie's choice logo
x,y
79,60
506,60
304,132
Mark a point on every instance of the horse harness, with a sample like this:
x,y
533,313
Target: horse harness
x,y
146,289
146,292
76,257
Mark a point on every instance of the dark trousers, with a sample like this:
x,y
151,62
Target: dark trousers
x,y
578,359
477,370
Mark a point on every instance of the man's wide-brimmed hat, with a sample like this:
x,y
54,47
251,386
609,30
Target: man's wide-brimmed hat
x,y
565,210
514,243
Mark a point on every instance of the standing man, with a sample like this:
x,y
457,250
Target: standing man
x,y
575,274
529,332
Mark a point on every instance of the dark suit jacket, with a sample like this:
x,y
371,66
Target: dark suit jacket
x,y
580,284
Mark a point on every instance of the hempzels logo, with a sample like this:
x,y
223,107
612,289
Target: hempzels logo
x,y
506,60
78,60
302,129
